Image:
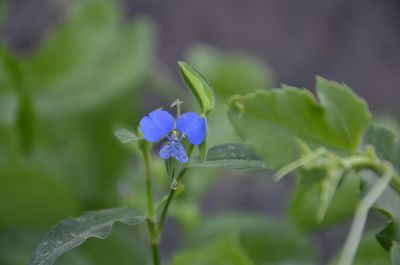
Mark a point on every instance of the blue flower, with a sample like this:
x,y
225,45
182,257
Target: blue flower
x,y
159,123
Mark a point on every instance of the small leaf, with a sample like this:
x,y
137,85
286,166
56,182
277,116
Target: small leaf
x,y
274,121
199,87
126,136
235,156
72,232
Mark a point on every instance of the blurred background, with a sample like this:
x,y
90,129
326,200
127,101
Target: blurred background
x,y
71,72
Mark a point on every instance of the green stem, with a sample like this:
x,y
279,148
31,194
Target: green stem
x,y
154,235
357,227
149,192
168,202
376,165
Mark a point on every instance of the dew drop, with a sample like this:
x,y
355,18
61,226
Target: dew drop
x,y
174,184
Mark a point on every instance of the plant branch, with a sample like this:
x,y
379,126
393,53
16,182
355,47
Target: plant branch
x,y
154,235
357,227
168,202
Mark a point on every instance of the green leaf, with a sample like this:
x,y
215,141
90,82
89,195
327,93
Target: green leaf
x,y
395,255
199,87
72,232
225,250
126,136
118,248
235,156
273,122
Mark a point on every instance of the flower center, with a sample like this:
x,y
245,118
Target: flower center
x,y
174,136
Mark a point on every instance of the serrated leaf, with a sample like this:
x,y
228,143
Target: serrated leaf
x,y
126,136
235,156
72,232
199,87
273,121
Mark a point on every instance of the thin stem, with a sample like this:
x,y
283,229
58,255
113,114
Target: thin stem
x,y
168,202
297,164
165,209
154,235
156,256
357,227
365,162
149,192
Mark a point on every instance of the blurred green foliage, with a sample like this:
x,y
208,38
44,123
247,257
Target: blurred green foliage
x,y
59,106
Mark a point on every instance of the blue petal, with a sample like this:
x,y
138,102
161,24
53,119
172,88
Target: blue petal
x,y
156,125
193,126
180,153
175,150
166,151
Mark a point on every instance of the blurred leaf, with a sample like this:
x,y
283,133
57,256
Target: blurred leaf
x,y
395,255
125,136
273,122
389,204
121,70
26,121
69,48
72,232
70,74
31,198
369,253
385,142
305,202
10,72
199,87
267,241
230,73
387,147
236,156
224,251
